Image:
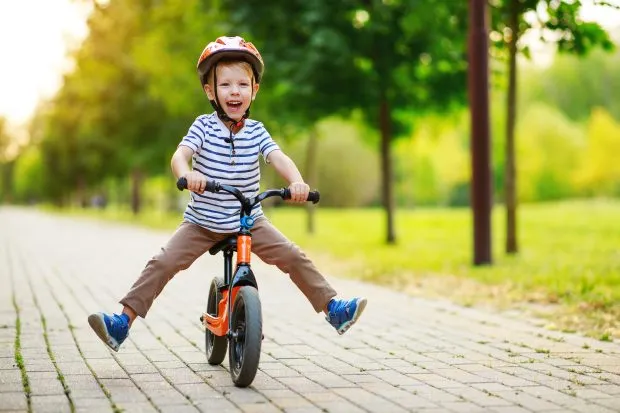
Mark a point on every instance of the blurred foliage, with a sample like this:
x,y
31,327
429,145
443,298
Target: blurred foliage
x,y
548,147
6,166
341,56
5,140
386,59
354,179
558,157
599,172
134,91
555,21
576,85
29,173
167,52
432,166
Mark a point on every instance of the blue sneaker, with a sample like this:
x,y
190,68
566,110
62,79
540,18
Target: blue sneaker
x,y
111,329
342,314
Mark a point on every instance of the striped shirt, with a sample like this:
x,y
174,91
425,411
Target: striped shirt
x,y
215,158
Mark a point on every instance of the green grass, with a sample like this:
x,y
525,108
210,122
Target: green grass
x,y
567,269
569,259
19,360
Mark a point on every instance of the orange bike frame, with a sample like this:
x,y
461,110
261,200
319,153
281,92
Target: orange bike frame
x,y
219,325
244,249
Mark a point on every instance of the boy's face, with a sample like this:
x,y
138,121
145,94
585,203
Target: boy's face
x,y
234,88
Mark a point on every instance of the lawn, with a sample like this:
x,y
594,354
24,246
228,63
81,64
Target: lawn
x,y
566,272
567,269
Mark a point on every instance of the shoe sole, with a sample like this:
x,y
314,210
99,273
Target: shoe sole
x,y
98,325
361,304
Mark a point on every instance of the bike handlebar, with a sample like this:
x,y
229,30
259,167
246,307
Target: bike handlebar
x,y
284,193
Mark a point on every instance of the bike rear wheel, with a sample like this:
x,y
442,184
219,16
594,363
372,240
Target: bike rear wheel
x,y
215,346
246,337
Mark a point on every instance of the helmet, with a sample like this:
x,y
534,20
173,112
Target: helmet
x,y
229,47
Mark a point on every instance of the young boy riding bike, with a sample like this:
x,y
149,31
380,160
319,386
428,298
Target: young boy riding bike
x,y
224,146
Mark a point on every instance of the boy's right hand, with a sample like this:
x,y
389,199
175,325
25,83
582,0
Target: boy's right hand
x,y
196,182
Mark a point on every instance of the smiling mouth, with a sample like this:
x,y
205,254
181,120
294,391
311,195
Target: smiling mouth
x,y
234,104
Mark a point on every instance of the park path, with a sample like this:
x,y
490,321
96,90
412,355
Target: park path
x,y
405,354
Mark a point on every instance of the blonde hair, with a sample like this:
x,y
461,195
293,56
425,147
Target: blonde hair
x,y
242,64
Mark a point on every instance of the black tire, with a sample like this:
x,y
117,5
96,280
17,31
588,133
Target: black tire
x,y
215,346
246,340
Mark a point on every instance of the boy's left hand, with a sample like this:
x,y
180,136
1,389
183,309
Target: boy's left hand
x,y
299,191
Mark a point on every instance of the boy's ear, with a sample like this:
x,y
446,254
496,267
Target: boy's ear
x,y
209,91
255,91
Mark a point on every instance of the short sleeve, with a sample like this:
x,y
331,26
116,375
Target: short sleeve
x,y
195,136
266,144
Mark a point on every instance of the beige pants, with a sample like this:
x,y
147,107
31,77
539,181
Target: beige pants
x,y
190,241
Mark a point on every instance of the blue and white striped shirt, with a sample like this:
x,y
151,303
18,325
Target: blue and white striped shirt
x,y
214,158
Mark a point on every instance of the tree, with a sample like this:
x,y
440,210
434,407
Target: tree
x,y
102,122
132,94
558,22
385,58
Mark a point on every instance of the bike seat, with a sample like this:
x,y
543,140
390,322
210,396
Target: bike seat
x,y
227,244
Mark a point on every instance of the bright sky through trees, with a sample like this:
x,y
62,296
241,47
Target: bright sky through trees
x,y
35,36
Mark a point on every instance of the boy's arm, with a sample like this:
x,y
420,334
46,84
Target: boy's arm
x,y
288,170
179,163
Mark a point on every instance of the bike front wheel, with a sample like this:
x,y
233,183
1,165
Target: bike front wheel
x,y
215,346
246,337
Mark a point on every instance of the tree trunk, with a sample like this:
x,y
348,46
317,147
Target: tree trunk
x,y
81,192
136,198
481,179
386,167
510,170
311,176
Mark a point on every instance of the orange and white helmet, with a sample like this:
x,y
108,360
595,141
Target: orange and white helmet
x,y
230,48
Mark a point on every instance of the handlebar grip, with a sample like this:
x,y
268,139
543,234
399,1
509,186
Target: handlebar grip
x,y
212,186
182,183
313,196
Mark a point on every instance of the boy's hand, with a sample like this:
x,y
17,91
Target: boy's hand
x,y
299,191
196,182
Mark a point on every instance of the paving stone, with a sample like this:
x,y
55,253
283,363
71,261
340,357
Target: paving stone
x,y
13,401
45,383
11,387
528,401
8,363
148,408
92,403
50,403
224,405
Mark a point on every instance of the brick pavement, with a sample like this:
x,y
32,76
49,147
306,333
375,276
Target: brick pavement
x,y
405,354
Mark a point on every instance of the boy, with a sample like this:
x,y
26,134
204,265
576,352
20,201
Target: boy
x,y
224,146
